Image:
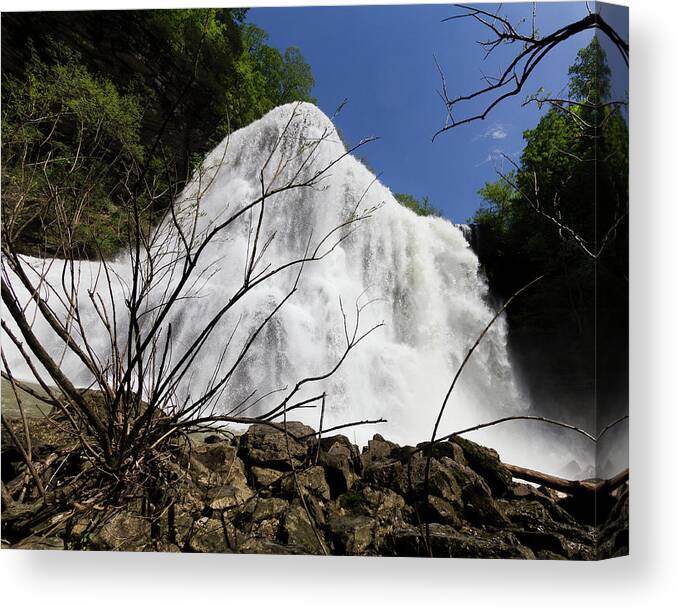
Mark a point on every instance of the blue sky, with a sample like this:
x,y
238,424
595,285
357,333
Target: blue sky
x,y
382,59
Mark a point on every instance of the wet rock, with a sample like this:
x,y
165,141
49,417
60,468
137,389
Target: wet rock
x,y
384,508
351,534
180,526
265,477
225,482
304,433
326,443
550,556
532,521
125,531
486,463
300,534
266,508
444,449
340,468
311,481
459,485
522,491
263,546
210,536
545,542
548,498
217,457
384,505
266,446
231,495
241,495
40,543
613,540
404,475
478,505
447,541
378,450
167,547
533,515
261,518
187,506
442,511
551,494
444,481
268,529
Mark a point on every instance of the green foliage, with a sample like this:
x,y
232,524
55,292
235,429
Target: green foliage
x,y
422,207
590,75
65,98
568,331
179,81
69,141
498,206
352,500
267,78
83,542
198,54
573,169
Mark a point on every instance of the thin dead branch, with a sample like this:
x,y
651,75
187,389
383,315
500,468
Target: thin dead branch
x,y
532,50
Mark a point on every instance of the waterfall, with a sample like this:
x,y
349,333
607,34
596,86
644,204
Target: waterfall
x,y
467,232
419,275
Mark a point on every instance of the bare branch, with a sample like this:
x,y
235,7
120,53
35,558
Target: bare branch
x,y
534,48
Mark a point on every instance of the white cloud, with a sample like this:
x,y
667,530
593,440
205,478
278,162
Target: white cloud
x,y
496,132
495,154
498,157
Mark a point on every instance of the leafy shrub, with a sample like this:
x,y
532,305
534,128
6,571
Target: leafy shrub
x,y
70,148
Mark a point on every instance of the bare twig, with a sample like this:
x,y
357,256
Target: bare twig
x,y
533,49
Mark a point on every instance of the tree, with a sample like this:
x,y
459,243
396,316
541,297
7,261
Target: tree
x,y
572,171
268,78
574,163
590,75
562,211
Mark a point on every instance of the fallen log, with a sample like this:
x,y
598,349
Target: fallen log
x,y
573,487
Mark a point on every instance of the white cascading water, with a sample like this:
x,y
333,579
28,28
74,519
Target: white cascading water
x,y
421,276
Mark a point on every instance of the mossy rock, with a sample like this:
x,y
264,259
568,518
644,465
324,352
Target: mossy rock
x,y
486,463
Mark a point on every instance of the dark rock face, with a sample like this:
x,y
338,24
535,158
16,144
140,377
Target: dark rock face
x,y
447,541
613,537
486,463
341,461
264,492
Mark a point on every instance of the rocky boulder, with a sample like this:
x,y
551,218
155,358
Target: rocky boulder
x,y
268,492
124,531
341,462
271,448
